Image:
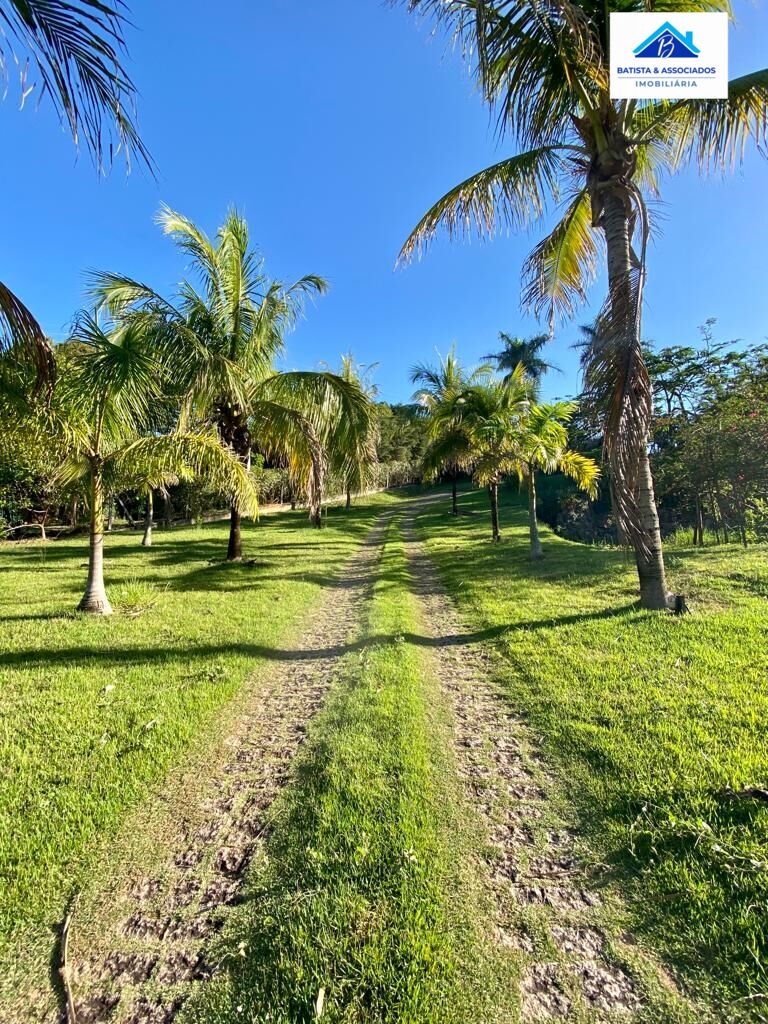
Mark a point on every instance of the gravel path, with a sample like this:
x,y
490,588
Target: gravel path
x,y
551,914
143,945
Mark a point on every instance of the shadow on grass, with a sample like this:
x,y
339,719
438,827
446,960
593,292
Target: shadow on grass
x,y
110,656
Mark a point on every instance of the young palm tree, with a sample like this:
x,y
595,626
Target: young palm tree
x,y
359,475
75,47
544,64
543,446
104,404
225,333
440,385
522,351
478,427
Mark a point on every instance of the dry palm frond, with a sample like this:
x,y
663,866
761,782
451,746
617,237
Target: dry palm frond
x,y
20,332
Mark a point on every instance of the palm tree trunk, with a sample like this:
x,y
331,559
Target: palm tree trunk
x,y
94,600
146,540
235,547
649,556
536,552
126,513
493,492
168,510
650,562
454,496
349,499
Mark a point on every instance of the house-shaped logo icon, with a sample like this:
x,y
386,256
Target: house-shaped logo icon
x,y
666,41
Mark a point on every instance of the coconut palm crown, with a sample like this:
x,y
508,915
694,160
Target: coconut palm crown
x,y
543,66
226,328
525,351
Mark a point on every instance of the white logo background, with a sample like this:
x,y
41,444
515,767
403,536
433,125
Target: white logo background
x,y
678,78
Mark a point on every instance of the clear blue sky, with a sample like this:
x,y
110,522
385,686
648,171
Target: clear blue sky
x,y
333,126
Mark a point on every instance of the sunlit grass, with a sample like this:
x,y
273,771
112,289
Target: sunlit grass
x,y
94,711
652,720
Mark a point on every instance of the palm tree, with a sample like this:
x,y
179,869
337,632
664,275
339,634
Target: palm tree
x,y
225,334
478,427
359,474
439,385
543,446
525,351
104,404
544,65
75,47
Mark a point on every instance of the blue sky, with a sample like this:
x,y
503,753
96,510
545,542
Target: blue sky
x,y
333,126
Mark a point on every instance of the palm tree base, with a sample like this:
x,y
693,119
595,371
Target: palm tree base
x,y
95,605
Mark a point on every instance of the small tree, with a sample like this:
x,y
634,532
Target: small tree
x,y
103,405
478,427
440,386
542,446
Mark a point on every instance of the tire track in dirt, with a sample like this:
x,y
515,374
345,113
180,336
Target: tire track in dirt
x,y
552,915
144,944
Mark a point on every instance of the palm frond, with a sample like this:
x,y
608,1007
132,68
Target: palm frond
x,y
582,470
21,333
513,192
117,293
711,133
529,57
114,379
182,454
559,270
77,48
341,414
451,449
618,388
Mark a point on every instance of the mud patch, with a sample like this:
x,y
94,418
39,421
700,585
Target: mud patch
x,y
542,995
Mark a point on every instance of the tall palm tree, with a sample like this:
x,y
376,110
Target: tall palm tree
x,y
75,47
104,405
478,427
439,386
225,331
544,65
522,351
543,446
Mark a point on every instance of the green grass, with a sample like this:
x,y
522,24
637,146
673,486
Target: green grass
x,y
362,901
95,711
650,718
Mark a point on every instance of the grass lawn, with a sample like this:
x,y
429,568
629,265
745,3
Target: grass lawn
x,y
650,718
363,908
95,711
